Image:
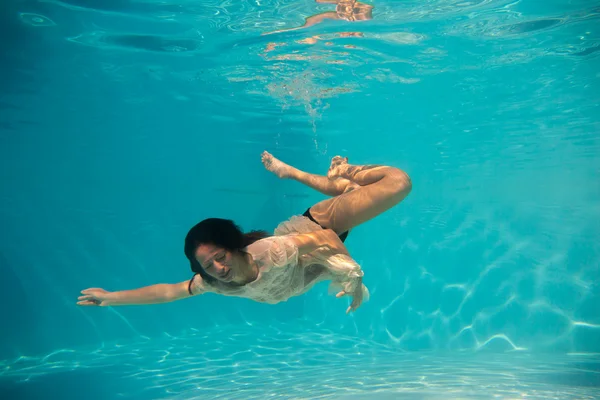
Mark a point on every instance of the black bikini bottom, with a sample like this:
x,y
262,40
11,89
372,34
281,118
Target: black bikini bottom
x,y
308,215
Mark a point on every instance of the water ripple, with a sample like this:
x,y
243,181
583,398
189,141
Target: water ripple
x,y
403,43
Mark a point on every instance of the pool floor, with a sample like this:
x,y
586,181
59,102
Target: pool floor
x,y
266,362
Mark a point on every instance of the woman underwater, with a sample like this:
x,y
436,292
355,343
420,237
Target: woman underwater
x,y
303,251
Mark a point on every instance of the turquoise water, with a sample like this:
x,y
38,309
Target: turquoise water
x,y
123,123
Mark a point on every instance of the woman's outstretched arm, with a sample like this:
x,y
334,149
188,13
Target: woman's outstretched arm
x,y
154,294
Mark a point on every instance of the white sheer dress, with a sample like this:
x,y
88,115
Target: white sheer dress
x,y
283,274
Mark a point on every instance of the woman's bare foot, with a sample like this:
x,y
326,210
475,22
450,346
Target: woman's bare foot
x,y
338,165
279,168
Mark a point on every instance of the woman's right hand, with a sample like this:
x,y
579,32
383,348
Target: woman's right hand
x,y
357,296
93,297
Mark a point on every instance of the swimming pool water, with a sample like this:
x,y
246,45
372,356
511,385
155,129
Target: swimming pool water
x,y
123,123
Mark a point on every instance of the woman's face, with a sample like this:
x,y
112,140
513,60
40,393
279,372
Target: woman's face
x,y
221,264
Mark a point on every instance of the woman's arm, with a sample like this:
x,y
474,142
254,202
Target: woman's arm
x,y
154,294
325,239
328,250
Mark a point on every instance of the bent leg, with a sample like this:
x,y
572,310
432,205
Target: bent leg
x,y
321,183
381,187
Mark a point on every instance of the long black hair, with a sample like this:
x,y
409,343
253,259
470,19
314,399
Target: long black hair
x,y
222,233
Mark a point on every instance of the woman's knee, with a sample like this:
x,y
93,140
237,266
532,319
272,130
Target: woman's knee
x,y
400,181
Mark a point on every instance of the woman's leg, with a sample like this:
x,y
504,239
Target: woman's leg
x,y
362,192
381,188
321,183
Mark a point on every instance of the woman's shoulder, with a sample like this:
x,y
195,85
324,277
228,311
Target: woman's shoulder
x,y
263,245
273,250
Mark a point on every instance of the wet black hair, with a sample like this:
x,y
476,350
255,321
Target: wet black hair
x,y
222,233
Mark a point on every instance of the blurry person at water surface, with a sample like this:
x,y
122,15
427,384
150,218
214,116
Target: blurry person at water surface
x,y
345,10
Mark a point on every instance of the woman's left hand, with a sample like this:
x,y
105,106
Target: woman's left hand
x,y
357,297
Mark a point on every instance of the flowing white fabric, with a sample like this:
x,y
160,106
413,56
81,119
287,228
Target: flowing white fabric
x,y
283,274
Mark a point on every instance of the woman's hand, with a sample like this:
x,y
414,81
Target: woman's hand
x,y
94,297
357,297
